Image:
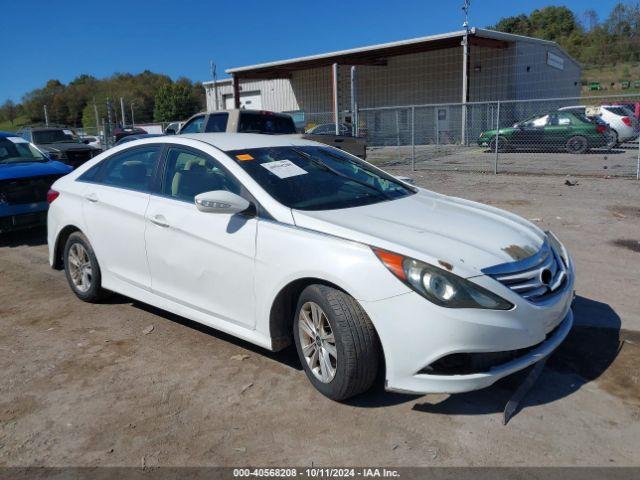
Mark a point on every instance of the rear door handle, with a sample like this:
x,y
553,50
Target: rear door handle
x,y
159,220
92,197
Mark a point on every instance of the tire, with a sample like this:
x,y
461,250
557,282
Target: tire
x,y
82,270
356,344
577,144
502,144
612,139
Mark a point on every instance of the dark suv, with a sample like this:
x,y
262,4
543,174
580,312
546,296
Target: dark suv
x,y
60,144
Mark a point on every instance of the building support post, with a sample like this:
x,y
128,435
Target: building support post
x,y
334,77
236,92
495,163
465,86
355,121
413,138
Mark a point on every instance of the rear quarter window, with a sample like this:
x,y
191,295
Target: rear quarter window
x,y
251,122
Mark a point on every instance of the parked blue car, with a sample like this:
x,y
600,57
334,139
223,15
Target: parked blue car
x,y
26,174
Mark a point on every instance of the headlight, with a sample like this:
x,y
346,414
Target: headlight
x,y
440,286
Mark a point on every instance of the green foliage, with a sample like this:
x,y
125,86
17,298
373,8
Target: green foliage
x,y
73,104
594,43
175,101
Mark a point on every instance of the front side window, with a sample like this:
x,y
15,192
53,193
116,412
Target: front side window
x,y
18,150
132,169
189,173
217,122
317,178
194,126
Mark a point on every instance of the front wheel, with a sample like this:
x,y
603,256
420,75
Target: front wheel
x,y
577,144
502,144
336,342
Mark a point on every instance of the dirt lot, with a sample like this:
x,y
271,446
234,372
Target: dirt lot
x,y
84,384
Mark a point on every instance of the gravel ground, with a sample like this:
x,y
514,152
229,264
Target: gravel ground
x,y
91,385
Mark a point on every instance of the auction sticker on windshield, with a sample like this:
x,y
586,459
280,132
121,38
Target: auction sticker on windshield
x,y
284,168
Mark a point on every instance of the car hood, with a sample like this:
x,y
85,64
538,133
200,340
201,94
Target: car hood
x,y
459,235
32,169
64,147
503,131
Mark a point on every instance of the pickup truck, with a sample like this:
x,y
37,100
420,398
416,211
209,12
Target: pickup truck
x,y
270,123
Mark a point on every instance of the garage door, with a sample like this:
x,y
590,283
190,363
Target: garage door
x,y
249,100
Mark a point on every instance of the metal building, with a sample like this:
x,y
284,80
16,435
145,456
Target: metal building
x,y
366,85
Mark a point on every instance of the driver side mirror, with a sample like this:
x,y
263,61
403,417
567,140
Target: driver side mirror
x,y
169,131
221,201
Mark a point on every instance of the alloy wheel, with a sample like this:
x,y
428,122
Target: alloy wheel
x,y
318,342
80,269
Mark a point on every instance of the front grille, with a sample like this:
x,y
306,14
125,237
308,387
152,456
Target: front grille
x,y
479,362
535,278
78,157
26,190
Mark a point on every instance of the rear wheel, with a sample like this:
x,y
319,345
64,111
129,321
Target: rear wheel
x,y
612,139
82,269
336,342
577,144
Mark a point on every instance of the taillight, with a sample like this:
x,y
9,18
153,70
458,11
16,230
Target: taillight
x,y
52,195
601,128
626,121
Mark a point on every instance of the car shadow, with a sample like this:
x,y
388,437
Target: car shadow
x,y
288,356
588,351
31,237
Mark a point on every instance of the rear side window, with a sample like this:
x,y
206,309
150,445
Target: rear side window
x,y
217,122
196,125
132,169
253,122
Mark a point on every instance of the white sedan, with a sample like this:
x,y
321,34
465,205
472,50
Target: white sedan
x,y
278,240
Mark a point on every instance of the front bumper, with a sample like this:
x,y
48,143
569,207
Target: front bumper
x,y
18,217
415,334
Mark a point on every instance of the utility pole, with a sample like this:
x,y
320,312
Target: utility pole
x,y
46,115
215,83
95,111
465,70
124,120
132,118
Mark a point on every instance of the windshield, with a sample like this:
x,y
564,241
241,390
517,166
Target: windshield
x,y
317,178
52,136
17,150
621,111
251,122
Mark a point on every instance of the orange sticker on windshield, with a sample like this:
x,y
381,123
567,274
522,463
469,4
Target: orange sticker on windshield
x,y
244,157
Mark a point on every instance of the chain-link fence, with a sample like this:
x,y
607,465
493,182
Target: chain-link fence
x,y
565,136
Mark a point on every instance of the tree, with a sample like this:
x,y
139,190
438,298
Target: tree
x,y
175,102
9,111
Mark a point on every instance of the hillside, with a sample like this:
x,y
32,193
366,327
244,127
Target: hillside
x,y
610,78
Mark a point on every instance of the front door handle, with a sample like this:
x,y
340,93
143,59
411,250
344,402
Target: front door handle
x,y
92,197
159,220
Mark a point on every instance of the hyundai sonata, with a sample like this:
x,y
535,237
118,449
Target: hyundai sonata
x,y
278,240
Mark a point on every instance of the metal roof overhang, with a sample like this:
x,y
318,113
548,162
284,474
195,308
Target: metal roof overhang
x,y
374,55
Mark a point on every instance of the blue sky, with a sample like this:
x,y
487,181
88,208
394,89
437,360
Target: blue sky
x,y
62,39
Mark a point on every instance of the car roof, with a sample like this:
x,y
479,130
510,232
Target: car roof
x,y
238,141
8,134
